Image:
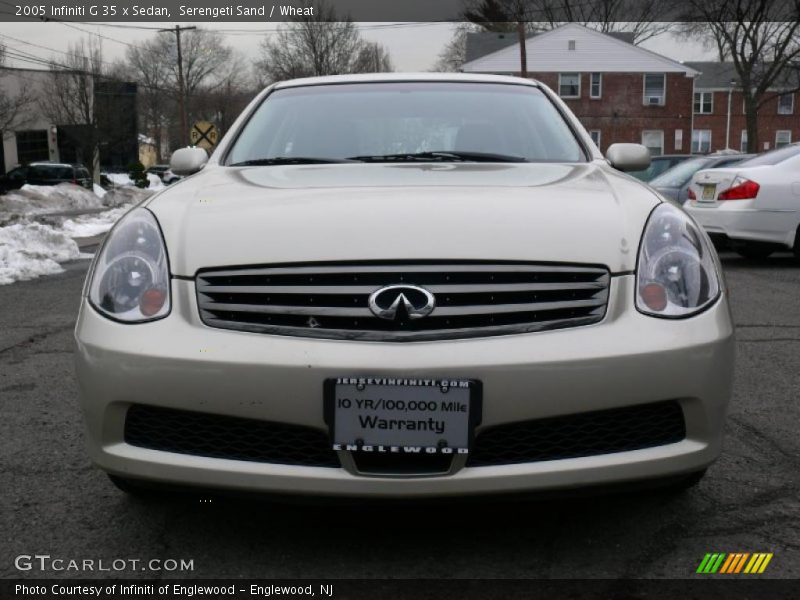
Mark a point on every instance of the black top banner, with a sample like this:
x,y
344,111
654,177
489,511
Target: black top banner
x,y
268,11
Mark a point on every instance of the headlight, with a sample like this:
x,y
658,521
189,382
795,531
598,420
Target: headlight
x,y
677,275
130,281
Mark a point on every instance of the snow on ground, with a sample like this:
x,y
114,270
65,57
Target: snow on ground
x,y
29,250
91,225
36,235
40,199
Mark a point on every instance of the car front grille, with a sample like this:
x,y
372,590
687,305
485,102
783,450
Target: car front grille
x,y
331,300
578,435
569,436
233,438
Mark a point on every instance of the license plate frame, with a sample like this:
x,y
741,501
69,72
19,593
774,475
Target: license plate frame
x,y
474,398
709,190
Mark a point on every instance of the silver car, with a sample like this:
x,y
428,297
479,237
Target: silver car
x,y
405,286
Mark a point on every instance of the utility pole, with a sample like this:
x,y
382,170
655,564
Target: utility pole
x,y
523,54
181,87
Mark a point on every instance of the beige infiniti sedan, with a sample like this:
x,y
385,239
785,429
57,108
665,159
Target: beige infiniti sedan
x,y
405,286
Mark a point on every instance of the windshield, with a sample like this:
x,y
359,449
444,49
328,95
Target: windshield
x,y
773,157
392,121
680,173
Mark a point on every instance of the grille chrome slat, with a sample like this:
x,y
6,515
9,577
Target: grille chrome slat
x,y
441,288
483,309
473,299
404,268
332,311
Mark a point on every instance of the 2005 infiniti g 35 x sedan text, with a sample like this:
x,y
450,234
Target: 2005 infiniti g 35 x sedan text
x,y
405,286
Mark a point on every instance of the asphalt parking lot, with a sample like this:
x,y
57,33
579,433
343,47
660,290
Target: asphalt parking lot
x,y
52,501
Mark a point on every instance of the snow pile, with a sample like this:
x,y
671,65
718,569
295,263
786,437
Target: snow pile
x,y
123,180
155,182
119,178
125,195
29,250
39,199
91,225
98,191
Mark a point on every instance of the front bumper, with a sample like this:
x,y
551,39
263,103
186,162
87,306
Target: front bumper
x,y
742,220
627,359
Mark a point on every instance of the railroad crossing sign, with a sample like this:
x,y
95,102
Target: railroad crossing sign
x,y
204,134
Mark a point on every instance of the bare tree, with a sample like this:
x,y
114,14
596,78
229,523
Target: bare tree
x,y
222,101
373,58
762,40
211,73
147,65
642,18
323,44
454,53
68,99
14,107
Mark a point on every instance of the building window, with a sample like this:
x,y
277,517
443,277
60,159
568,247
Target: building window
x,y
703,103
571,45
743,144
655,85
569,85
786,104
32,146
654,140
783,137
679,139
596,85
595,133
701,141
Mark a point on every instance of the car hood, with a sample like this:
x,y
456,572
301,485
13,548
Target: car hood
x,y
226,216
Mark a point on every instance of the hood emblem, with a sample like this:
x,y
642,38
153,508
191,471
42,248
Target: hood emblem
x,y
393,300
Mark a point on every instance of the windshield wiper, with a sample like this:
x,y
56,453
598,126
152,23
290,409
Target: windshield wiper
x,y
441,156
288,160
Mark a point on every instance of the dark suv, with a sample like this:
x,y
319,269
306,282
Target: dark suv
x,y
45,173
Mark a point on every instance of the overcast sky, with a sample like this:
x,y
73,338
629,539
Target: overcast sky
x,y
413,46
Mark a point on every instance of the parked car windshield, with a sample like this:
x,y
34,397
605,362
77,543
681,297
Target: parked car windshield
x,y
375,120
680,173
773,157
658,165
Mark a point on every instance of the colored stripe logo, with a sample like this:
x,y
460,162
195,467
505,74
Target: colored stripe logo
x,y
734,562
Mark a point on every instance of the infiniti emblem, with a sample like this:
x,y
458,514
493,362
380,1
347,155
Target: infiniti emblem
x,y
415,301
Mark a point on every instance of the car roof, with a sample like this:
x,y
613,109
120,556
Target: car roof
x,y
48,163
400,77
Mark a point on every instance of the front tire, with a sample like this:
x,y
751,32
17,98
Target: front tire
x,y
135,488
754,250
685,483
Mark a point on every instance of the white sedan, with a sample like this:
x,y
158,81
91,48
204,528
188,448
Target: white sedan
x,y
755,204
405,286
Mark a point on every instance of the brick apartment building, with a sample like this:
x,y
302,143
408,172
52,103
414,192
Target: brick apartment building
x,y
625,93
778,118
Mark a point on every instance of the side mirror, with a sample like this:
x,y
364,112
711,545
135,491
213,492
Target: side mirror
x,y
185,161
628,157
